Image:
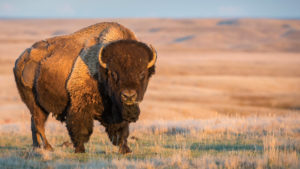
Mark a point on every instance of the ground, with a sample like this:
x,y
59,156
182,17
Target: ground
x,y
226,95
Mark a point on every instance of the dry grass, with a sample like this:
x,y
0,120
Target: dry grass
x,y
221,142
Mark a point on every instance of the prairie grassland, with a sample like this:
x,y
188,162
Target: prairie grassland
x,y
225,95
220,142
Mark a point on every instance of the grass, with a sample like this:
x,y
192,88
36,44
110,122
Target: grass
x,y
235,142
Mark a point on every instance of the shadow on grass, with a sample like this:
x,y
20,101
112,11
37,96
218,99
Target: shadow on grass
x,y
2,148
225,147
177,130
100,152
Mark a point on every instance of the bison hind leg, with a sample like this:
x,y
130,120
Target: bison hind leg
x,y
38,119
36,138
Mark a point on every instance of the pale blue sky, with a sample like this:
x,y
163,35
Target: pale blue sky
x,y
149,8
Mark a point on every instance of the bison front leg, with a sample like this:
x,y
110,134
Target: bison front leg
x,y
118,134
80,127
124,133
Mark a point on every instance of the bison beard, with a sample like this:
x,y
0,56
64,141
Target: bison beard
x,y
130,113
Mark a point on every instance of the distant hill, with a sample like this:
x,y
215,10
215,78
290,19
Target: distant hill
x,y
261,35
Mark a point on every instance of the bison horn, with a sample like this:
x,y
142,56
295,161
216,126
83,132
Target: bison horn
x,y
152,62
100,58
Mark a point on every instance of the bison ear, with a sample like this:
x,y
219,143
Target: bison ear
x,y
154,56
102,63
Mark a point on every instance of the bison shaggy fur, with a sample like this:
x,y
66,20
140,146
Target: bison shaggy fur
x,y
97,73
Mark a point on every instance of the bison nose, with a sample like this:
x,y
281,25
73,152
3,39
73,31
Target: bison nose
x,y
129,95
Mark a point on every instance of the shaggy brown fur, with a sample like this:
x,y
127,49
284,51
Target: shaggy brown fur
x,y
62,75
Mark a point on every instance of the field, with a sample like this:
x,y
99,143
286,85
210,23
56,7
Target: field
x,y
226,95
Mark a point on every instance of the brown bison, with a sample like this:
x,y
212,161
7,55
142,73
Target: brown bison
x,y
97,73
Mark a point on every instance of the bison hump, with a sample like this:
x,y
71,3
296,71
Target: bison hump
x,y
53,75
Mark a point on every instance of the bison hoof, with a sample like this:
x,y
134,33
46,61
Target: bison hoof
x,y
79,149
48,147
124,149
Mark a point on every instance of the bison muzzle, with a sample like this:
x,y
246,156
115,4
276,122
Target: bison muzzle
x,y
97,73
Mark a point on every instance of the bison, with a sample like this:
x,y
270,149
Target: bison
x,y
100,72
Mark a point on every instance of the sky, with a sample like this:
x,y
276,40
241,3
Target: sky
x,y
150,8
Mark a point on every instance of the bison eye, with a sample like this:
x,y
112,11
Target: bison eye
x,y
114,75
142,75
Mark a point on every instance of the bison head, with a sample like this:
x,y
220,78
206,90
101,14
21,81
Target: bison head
x,y
127,66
